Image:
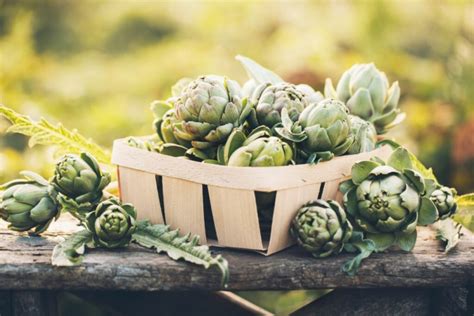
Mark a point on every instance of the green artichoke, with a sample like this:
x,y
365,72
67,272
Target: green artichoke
x,y
28,203
112,223
321,227
444,200
365,135
79,181
262,152
207,111
367,94
322,131
268,100
386,201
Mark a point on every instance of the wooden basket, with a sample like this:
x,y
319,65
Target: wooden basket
x,y
172,190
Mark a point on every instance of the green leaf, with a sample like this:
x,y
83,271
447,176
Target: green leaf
x,y
400,159
449,232
45,133
406,241
381,241
365,247
361,170
466,200
428,213
70,252
420,167
159,108
465,212
416,179
161,238
257,72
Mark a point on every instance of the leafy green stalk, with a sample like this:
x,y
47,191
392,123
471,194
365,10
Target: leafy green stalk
x,y
365,247
163,239
449,232
45,133
70,252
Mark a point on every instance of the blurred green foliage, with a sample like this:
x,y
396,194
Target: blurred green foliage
x,y
97,65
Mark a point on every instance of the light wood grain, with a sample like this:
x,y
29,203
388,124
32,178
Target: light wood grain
x,y
183,205
265,179
287,204
140,189
331,190
235,218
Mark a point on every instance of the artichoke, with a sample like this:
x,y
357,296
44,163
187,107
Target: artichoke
x,y
322,131
112,223
28,203
367,94
262,152
268,100
386,200
79,181
321,227
207,111
365,135
444,200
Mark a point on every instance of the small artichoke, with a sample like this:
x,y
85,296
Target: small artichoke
x,y
322,131
321,227
28,203
367,94
79,180
365,135
386,201
112,223
207,111
262,152
444,200
268,100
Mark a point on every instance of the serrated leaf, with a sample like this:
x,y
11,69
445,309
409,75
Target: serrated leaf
x,y
465,212
361,170
257,72
449,232
357,243
70,252
161,238
45,133
421,168
400,159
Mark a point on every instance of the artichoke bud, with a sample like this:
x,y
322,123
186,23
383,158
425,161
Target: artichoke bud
x,y
112,223
262,152
28,203
321,227
444,200
364,133
80,179
367,94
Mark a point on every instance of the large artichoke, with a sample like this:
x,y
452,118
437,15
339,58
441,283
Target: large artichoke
x,y
207,111
321,227
365,136
322,131
367,94
268,100
112,223
444,200
28,203
79,181
386,201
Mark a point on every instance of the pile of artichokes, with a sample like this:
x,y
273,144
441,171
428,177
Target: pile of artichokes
x,y
197,121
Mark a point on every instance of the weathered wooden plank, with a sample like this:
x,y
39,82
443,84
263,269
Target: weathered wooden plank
x,y
25,264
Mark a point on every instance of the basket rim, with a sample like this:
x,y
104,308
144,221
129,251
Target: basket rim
x,y
264,179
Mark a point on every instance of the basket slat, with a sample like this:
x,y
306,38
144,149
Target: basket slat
x,y
183,205
331,190
286,204
140,189
235,217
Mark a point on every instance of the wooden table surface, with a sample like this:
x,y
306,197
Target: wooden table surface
x,y
25,263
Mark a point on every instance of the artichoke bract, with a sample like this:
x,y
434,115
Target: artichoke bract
x,y
112,223
321,227
79,180
322,131
386,200
207,111
444,200
367,94
262,152
28,203
365,135
268,100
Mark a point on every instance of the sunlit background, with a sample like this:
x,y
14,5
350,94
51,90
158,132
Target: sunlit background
x,y
97,65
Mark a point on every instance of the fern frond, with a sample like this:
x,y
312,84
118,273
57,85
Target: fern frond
x,y
45,133
178,247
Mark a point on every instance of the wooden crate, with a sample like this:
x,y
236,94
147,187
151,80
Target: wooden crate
x,y
170,190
